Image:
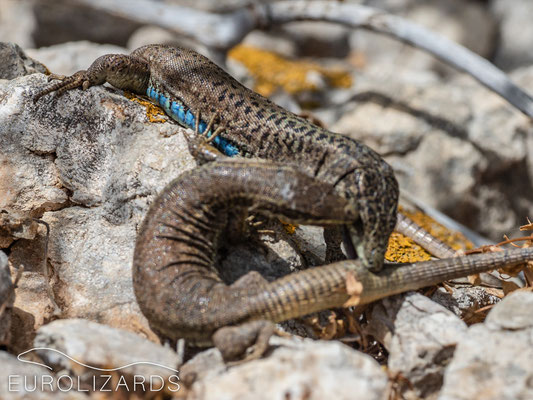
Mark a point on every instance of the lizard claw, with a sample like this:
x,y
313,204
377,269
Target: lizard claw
x,y
56,77
201,149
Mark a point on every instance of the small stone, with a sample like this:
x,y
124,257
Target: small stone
x,y
514,312
298,369
493,360
420,336
101,346
6,300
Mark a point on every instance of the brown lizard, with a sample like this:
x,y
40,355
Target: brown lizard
x,y
313,176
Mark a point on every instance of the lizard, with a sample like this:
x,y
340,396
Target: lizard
x,y
181,293
174,278
243,123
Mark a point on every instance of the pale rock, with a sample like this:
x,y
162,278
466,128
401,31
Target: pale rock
x,y
297,369
493,360
420,336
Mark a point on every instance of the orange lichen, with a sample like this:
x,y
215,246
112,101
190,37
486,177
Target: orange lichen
x,y
271,71
152,111
403,249
289,228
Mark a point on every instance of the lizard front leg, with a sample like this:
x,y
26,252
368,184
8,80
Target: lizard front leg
x,y
125,72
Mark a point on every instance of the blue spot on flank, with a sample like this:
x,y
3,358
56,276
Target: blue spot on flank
x,y
163,101
187,118
152,93
174,109
202,126
225,147
181,115
190,119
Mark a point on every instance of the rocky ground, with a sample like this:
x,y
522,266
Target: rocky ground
x,y
88,164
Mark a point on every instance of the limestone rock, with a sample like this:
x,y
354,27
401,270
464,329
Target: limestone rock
x,y
298,369
420,336
6,300
493,361
101,346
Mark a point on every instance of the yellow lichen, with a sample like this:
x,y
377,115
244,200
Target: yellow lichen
x,y
271,71
152,111
403,249
454,239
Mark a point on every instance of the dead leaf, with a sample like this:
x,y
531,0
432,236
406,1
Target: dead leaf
x,y
509,286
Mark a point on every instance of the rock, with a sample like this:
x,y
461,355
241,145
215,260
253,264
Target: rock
x,y
68,58
460,148
297,369
493,360
17,22
467,23
66,21
15,225
420,336
32,308
16,63
514,313
152,34
524,78
101,346
202,366
274,41
317,39
515,45
14,374
67,164
6,300
25,380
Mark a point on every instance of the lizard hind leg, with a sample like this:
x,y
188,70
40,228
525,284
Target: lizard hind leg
x,y
201,150
233,341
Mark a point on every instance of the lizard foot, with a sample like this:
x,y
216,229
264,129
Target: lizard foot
x,y
200,143
80,78
233,341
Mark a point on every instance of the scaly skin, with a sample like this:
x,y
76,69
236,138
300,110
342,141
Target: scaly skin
x,y
182,295
313,176
255,127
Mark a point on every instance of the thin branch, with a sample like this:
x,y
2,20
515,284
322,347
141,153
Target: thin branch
x,y
357,16
222,31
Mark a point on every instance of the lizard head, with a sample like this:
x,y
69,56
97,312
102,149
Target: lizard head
x,y
376,202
